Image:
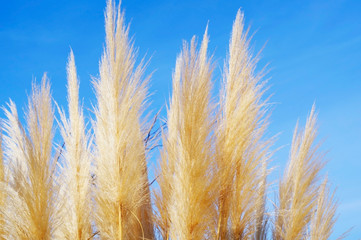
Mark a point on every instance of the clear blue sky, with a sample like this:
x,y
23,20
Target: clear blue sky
x,y
313,48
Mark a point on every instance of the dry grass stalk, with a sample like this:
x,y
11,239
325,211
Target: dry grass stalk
x,y
212,174
260,225
77,160
122,192
33,209
186,180
323,217
163,194
2,192
298,189
241,153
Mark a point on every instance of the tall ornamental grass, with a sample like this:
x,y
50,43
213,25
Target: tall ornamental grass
x,y
211,175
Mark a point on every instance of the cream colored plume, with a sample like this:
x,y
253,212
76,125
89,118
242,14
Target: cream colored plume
x,y
121,185
299,188
241,151
33,206
76,155
186,201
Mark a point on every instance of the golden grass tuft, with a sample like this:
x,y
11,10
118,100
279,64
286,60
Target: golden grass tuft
x,y
301,199
186,175
213,167
2,192
241,151
121,192
323,217
32,211
77,160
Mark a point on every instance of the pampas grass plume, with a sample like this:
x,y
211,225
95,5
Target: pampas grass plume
x,y
211,179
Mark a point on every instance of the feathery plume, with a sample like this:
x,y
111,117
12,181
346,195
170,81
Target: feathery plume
x,y
323,217
212,173
241,153
162,194
261,217
122,189
298,189
186,179
77,161
33,206
2,191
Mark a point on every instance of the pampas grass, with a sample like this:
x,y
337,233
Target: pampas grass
x,y
2,193
323,217
77,160
242,154
211,178
302,201
32,210
121,192
187,172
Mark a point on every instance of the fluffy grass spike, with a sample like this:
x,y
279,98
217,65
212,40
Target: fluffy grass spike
x,y
186,178
122,189
324,215
3,183
77,160
241,152
33,190
298,190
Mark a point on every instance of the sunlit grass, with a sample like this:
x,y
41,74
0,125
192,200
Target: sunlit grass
x,y
213,168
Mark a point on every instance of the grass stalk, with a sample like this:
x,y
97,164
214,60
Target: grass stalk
x,y
186,177
2,191
241,152
324,215
121,193
77,160
33,190
299,187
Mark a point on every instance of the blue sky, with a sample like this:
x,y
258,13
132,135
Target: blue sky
x,y
313,49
